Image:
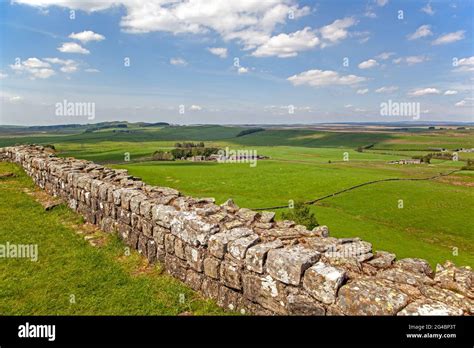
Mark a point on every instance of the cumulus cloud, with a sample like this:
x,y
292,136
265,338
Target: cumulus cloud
x,y
466,102
336,31
423,91
218,51
67,65
86,36
465,64
428,9
34,67
410,60
423,31
368,64
386,89
178,61
288,45
317,78
450,92
385,55
381,3
72,47
362,91
449,38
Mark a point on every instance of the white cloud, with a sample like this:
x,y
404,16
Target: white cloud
x,y
178,61
410,60
86,36
9,97
91,70
370,14
250,22
450,92
381,2
3,75
362,91
35,67
424,91
368,64
72,47
449,38
385,55
288,45
465,64
67,65
428,9
195,108
423,31
242,70
337,30
386,89
218,51
318,78
466,102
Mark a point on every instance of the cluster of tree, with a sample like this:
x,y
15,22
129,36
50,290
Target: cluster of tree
x,y
181,152
424,159
161,155
105,126
250,131
302,215
189,145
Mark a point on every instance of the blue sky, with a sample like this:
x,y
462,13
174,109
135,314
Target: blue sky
x,y
267,61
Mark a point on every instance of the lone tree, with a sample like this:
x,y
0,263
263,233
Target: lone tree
x,y
302,215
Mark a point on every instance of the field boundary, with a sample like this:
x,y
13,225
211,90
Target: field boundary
x,y
361,185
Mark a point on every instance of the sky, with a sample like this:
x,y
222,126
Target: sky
x,y
239,62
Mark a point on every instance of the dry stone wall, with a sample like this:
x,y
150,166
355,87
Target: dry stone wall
x,y
244,259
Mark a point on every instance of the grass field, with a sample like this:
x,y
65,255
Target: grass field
x,y
435,222
72,277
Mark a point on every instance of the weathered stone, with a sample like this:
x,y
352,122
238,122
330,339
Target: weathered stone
x,y
230,206
358,249
218,242
247,214
210,288
169,243
179,247
257,255
266,291
429,307
449,297
176,267
370,297
238,248
382,260
415,266
230,274
194,279
404,276
191,228
288,264
267,216
163,215
300,303
322,281
151,250
211,267
159,233
195,258
228,298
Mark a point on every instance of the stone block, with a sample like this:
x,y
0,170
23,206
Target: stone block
x,y
322,281
257,255
288,264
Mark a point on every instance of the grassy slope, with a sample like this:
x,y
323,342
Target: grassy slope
x,y
103,280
